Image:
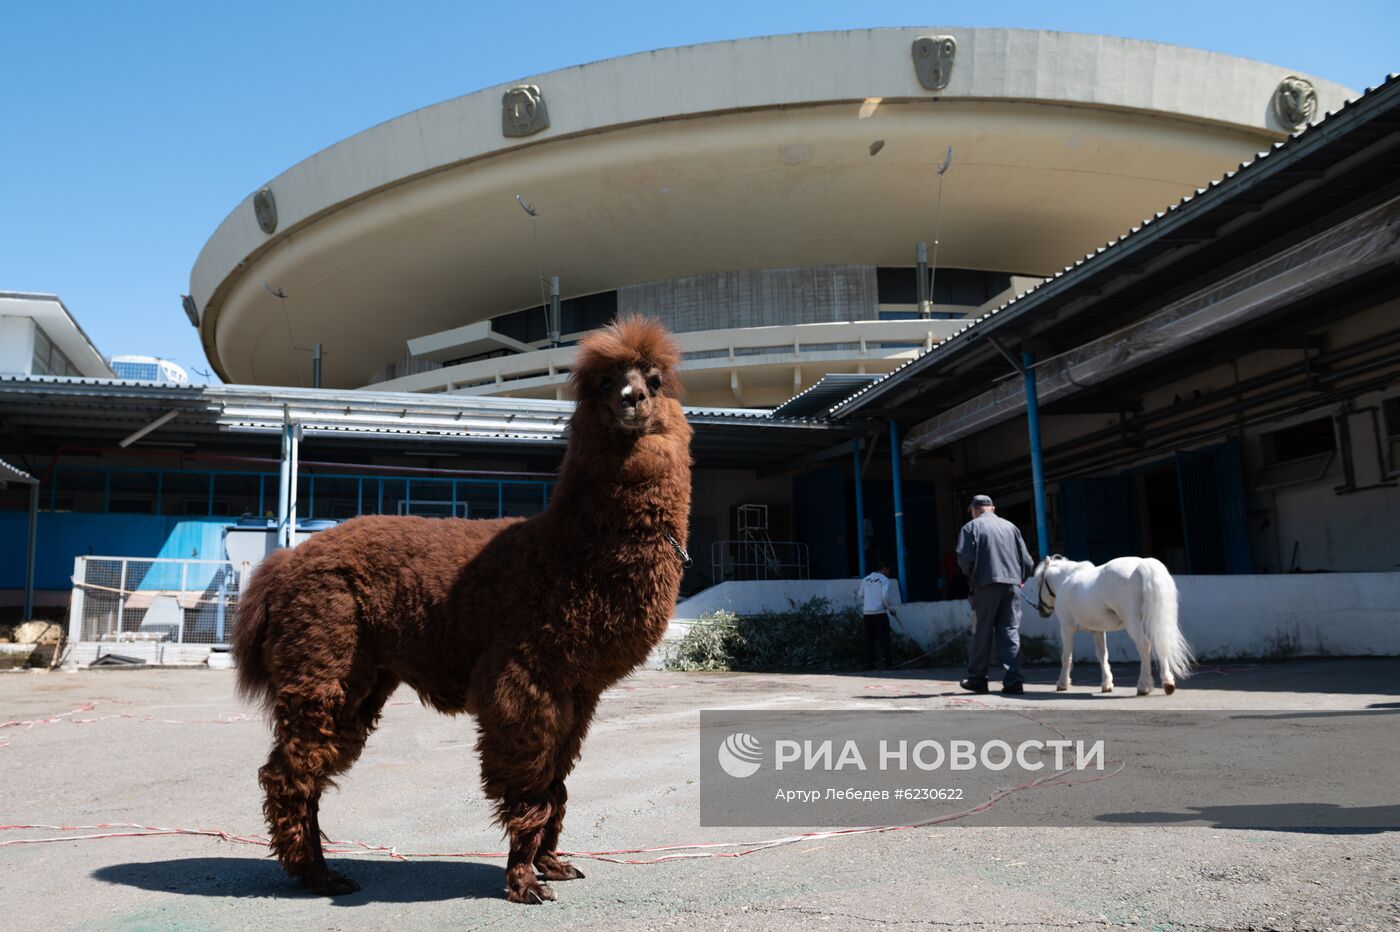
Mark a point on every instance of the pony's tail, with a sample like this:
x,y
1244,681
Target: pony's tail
x,y
1159,612
250,630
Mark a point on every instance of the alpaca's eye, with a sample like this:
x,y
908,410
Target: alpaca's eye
x,y
605,385
654,383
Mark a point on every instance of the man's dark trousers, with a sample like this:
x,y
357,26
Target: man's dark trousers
x,y
998,610
877,631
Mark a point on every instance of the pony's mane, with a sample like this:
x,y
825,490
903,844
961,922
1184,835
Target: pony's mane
x,y
627,342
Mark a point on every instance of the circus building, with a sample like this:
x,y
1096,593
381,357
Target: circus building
x,y
767,198
1142,295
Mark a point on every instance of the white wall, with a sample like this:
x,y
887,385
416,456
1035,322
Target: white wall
x,y
769,595
1338,531
1339,614
16,345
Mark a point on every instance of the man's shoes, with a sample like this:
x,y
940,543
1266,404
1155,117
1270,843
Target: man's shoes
x,y
974,686
1012,689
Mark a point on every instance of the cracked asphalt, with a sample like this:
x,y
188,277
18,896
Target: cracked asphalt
x,y
175,748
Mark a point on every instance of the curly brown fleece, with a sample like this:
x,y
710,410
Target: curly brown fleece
x,y
522,623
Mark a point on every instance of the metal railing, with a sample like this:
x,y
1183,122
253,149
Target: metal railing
x,y
434,509
758,559
133,600
863,340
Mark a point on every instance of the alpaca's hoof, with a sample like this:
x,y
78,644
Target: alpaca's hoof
x,y
558,870
1168,688
332,884
1061,687
530,893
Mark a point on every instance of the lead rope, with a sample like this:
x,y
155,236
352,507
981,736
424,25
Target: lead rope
x,y
686,562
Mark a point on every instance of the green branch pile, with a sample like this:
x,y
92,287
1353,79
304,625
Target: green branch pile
x,y
812,635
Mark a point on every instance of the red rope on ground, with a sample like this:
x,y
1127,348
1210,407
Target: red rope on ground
x,y
672,852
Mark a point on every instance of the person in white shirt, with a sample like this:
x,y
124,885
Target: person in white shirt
x,y
875,603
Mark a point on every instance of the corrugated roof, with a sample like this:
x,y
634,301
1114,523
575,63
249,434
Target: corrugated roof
x,y
407,404
54,411
1155,229
10,473
827,391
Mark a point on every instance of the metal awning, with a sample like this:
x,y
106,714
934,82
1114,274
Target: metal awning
x,y
10,474
51,412
1270,204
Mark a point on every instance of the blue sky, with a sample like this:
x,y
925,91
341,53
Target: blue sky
x,y
129,130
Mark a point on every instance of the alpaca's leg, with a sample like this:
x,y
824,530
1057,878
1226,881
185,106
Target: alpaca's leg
x,y
362,718
1066,654
1101,649
314,743
519,732
302,761
547,861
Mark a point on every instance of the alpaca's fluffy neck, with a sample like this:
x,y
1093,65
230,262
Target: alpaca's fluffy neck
x,y
627,485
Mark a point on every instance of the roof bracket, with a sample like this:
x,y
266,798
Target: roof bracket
x,y
159,422
1015,364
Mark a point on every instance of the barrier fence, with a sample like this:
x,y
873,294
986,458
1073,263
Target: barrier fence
x,y
131,600
758,558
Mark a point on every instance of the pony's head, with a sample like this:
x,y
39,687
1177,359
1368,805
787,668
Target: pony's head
x,y
625,377
1044,586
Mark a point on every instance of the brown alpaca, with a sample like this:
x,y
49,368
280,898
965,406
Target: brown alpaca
x,y
522,623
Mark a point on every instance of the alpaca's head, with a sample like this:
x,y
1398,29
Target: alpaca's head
x,y
625,377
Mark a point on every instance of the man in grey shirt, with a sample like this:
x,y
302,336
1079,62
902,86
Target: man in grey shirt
x,y
993,554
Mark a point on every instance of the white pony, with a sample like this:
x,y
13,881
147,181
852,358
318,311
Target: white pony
x,y
1136,593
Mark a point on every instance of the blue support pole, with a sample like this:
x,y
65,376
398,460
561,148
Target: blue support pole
x,y
1042,523
31,552
860,510
898,511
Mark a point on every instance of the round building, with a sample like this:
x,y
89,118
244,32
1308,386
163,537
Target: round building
x,y
765,198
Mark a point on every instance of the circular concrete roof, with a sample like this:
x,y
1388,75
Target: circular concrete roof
x,y
759,153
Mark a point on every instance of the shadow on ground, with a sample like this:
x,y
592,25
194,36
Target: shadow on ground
x,y
380,881
1348,676
1274,817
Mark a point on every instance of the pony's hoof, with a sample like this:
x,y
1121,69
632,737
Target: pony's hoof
x,y
1106,689
530,893
1061,687
1168,688
1144,692
558,870
332,884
